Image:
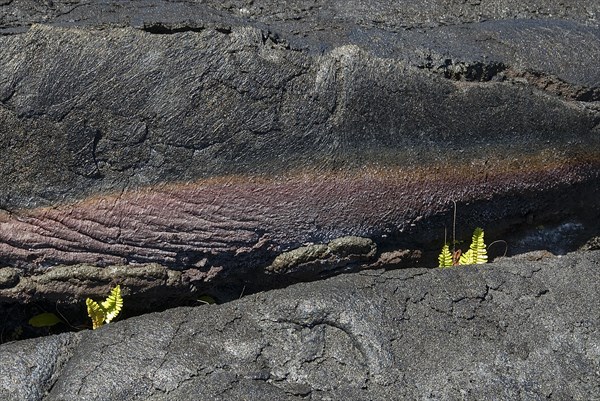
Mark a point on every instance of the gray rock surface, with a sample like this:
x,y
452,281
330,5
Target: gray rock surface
x,y
519,329
305,15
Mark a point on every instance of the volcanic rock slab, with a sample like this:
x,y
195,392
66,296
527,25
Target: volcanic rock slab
x,y
517,329
210,138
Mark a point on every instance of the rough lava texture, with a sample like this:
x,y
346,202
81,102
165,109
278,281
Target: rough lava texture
x,y
212,137
221,147
519,329
182,148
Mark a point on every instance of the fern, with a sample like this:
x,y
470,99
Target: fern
x,y
477,249
476,254
466,258
95,312
113,304
445,257
107,310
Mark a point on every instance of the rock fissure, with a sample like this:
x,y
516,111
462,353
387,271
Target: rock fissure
x,y
348,331
166,356
480,72
162,29
464,71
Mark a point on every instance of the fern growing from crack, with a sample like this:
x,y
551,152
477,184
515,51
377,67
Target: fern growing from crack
x,y
477,253
107,310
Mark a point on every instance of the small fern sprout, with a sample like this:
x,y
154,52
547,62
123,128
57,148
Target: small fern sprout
x,y
107,310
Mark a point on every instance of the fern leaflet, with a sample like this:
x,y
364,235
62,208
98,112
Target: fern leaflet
x,y
113,304
478,247
95,312
445,257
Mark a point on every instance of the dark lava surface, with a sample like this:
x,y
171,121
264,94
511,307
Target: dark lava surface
x,y
181,147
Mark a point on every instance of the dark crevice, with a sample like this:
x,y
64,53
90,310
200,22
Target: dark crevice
x,y
91,168
465,71
499,72
161,29
97,138
71,343
223,30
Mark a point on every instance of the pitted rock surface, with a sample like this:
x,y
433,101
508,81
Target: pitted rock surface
x,y
518,329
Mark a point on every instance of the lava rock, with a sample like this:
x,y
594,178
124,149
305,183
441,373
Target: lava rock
x,y
211,138
512,330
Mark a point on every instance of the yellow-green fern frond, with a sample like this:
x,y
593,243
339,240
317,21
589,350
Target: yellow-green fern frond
x,y
466,258
478,247
445,257
107,310
95,312
477,253
113,304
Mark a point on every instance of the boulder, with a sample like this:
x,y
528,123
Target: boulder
x,y
522,328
